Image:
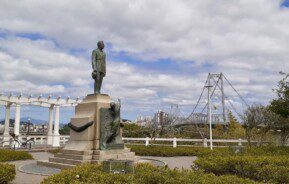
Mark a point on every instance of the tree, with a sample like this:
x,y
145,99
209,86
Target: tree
x,y
258,121
235,129
134,130
280,106
218,131
64,130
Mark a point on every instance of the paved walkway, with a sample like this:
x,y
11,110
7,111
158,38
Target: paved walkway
x,y
176,162
23,178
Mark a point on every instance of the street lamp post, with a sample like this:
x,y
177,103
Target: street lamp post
x,y
28,126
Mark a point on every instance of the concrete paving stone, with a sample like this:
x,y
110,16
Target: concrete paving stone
x,y
24,178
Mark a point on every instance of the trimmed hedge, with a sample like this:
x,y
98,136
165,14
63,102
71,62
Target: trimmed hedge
x,y
166,151
262,168
11,155
267,151
144,174
7,172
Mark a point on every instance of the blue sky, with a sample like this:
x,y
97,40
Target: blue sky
x,y
285,3
158,53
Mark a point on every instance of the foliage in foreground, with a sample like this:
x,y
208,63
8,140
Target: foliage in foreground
x,y
166,151
7,172
268,169
11,155
280,106
144,174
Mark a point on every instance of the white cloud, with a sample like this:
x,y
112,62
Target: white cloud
x,y
39,61
199,30
55,72
247,40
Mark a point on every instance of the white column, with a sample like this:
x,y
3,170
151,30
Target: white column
x,y
17,120
6,135
56,138
50,126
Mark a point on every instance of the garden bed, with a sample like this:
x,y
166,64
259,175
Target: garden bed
x,y
166,151
7,171
144,174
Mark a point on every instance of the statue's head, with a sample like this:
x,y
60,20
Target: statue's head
x,y
100,45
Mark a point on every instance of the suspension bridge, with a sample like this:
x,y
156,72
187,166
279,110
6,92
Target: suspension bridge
x,y
214,102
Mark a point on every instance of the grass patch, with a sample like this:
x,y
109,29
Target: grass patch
x,y
11,155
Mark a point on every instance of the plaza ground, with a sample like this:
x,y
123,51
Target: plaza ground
x,y
24,178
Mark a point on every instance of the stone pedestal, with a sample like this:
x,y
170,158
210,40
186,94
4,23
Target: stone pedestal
x,y
87,111
84,146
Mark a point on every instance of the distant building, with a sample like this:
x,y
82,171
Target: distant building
x,y
34,129
144,121
126,121
161,118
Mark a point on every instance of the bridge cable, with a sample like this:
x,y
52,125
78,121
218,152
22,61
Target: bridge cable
x,y
236,91
212,93
198,101
233,107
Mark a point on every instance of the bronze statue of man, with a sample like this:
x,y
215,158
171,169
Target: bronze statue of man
x,y
98,66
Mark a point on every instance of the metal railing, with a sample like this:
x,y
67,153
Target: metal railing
x,y
174,142
38,139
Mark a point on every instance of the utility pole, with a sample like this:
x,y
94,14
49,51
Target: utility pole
x,y
209,111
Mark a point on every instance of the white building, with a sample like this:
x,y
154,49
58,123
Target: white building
x,y
161,118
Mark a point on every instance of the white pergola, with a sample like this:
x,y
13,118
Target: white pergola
x,y
48,102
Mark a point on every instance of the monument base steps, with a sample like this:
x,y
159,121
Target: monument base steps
x,y
70,158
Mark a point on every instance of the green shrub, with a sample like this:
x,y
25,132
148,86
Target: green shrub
x,y
267,151
262,168
166,151
144,174
271,173
7,172
11,155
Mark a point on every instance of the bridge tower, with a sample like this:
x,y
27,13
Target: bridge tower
x,y
216,80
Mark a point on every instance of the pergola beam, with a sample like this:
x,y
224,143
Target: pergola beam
x,y
39,101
